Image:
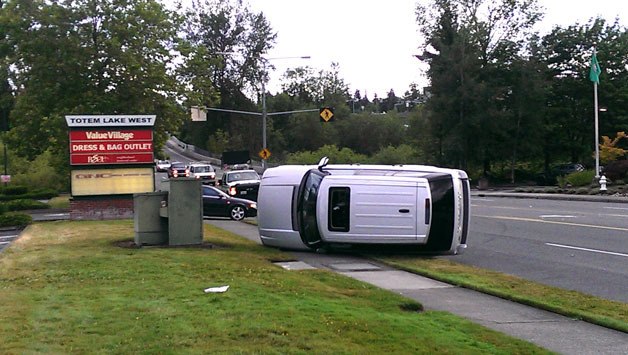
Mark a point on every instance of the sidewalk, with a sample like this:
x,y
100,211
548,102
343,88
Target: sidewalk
x,y
551,331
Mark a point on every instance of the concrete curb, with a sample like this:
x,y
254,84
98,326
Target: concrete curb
x,y
545,196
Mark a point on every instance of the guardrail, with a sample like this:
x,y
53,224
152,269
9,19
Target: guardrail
x,y
198,154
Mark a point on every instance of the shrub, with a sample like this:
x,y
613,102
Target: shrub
x,y
15,219
335,155
13,190
43,194
582,191
35,195
580,178
41,173
25,204
403,154
561,181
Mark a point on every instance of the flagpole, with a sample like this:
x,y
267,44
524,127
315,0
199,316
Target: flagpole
x,y
597,134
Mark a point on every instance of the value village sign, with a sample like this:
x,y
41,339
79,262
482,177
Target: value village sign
x,y
111,154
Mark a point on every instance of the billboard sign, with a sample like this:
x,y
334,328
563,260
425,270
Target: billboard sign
x,y
102,147
109,120
87,182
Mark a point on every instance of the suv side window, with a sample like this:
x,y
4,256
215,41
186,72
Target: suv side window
x,y
339,198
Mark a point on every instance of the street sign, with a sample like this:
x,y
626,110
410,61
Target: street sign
x,y
264,153
327,114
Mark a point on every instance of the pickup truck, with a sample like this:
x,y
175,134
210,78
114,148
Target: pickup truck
x,y
241,183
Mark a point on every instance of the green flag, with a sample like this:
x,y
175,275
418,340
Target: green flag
x,y
595,72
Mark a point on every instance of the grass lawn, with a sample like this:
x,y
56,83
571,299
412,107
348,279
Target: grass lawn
x,y
66,287
573,304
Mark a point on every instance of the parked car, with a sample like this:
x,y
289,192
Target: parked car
x,y
178,169
162,165
549,177
241,183
204,172
216,203
566,169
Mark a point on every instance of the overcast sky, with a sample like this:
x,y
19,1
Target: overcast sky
x,y
373,41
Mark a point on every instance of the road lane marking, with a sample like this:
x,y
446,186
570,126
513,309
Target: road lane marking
x,y
3,243
617,208
8,237
554,222
556,216
586,249
550,210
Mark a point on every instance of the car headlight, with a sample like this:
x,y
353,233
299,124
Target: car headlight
x,y
253,205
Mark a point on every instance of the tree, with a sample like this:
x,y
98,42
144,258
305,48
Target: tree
x,y
569,124
388,104
326,88
610,149
87,56
464,38
224,49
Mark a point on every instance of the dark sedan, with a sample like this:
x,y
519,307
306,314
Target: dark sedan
x,y
218,204
178,169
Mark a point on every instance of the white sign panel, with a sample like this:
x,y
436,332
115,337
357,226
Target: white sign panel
x,y
109,120
198,114
112,181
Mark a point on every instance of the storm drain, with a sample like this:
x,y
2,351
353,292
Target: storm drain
x,y
355,267
295,265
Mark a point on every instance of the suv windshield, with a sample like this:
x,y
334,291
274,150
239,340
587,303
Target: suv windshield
x,y
245,175
203,169
306,208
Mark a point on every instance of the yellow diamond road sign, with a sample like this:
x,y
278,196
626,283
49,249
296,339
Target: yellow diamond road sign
x,y
264,153
326,114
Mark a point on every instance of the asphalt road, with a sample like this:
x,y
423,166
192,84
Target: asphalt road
x,y
7,236
579,246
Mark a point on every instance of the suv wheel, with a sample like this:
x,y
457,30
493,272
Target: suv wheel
x,y
237,213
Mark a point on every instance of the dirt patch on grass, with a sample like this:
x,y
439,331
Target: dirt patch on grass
x,y
130,244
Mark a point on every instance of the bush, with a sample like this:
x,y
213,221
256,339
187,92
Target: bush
x,y
335,155
13,190
403,154
580,178
25,204
35,195
15,219
582,191
42,194
41,173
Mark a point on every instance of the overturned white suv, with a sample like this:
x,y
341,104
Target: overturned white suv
x,y
324,206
